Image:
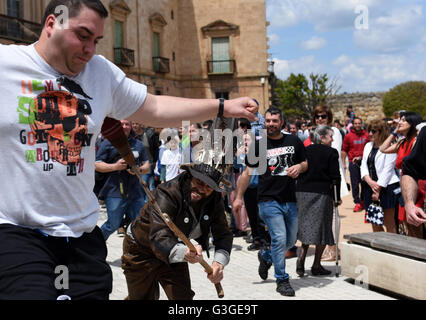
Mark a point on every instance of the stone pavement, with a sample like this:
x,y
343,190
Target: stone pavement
x,y
242,282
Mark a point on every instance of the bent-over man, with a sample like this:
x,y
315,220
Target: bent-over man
x,y
152,254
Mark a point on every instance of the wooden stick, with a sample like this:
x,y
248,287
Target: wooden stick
x,y
191,247
113,131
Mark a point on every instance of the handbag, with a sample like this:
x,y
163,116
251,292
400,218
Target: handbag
x,y
375,214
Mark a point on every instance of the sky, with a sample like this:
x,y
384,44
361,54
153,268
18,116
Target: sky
x,y
364,45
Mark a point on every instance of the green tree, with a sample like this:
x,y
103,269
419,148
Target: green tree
x,y
292,94
410,96
298,95
318,91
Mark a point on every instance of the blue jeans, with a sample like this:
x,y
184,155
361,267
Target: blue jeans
x,y
116,208
356,181
281,220
150,181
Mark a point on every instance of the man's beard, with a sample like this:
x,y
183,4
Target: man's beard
x,y
201,195
273,132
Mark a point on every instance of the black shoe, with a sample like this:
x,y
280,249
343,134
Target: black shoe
x,y
285,288
256,245
240,233
263,266
320,271
248,238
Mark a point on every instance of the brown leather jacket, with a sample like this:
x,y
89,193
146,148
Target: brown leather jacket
x,y
173,197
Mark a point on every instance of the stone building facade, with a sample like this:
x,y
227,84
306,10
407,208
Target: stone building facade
x,y
187,48
20,20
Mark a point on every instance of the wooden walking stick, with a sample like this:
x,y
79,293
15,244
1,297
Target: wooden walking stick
x,y
113,131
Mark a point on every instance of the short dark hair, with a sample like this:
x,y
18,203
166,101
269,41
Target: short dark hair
x,y
274,110
74,7
244,123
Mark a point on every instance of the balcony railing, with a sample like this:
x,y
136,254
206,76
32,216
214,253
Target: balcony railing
x,y
221,67
161,65
19,30
124,57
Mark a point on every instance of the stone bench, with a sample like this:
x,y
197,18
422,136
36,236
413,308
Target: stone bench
x,y
390,261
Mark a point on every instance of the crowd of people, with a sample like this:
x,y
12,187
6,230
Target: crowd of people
x,y
305,179
59,111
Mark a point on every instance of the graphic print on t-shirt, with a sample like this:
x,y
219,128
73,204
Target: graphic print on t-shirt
x,y
279,160
57,118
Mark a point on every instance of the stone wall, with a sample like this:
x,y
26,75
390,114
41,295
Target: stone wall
x,y
367,106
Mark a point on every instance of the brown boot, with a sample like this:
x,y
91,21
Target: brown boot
x,y
290,254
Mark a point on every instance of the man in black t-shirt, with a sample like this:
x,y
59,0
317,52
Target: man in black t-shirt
x,y
286,160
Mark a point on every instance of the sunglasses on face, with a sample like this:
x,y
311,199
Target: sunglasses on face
x,y
373,131
320,116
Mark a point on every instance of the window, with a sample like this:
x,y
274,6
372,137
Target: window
x,y
160,64
120,11
220,55
118,34
118,40
156,50
156,44
14,8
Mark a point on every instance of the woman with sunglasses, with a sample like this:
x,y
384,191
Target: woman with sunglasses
x,y
401,141
377,170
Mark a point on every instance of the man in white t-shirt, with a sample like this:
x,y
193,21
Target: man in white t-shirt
x,y
55,95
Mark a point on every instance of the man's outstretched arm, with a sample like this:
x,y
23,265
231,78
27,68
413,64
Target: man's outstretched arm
x,y
168,111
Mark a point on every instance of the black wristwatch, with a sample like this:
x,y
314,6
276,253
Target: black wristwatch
x,y
221,107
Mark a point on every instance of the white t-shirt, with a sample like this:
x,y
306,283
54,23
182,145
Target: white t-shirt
x,y
172,159
48,130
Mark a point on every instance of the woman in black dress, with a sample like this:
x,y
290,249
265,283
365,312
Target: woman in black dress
x,y
314,193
